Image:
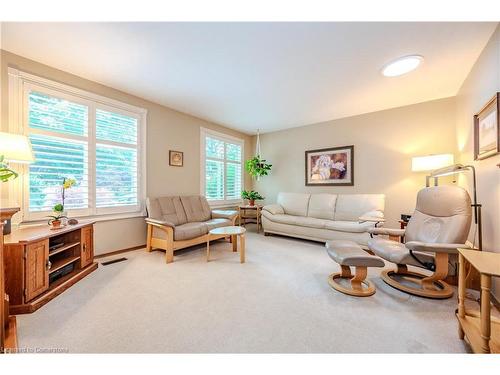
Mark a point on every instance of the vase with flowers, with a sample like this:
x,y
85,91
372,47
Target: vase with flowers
x,y
58,212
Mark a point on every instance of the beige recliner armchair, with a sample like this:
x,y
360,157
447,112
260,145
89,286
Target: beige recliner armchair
x,y
439,225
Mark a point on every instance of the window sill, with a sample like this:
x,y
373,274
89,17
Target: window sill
x,y
96,218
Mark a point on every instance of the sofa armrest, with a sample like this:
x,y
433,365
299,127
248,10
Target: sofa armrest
x,y
387,231
435,247
159,222
225,214
274,209
372,219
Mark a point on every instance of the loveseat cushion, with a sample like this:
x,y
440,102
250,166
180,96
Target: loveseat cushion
x,y
190,230
217,223
196,208
322,206
294,203
166,208
350,207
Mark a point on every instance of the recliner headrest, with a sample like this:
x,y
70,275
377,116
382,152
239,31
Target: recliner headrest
x,y
444,201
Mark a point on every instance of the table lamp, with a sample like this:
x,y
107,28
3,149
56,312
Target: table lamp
x,y
430,162
15,148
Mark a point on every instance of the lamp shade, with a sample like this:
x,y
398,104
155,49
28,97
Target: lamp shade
x,y
16,148
431,162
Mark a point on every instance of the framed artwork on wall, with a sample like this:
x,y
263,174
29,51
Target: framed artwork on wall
x,y
487,130
176,158
330,166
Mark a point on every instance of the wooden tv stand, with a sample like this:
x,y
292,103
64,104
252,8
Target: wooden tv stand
x,y
35,258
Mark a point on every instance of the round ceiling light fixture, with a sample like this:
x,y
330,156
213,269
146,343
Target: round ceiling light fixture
x,y
402,65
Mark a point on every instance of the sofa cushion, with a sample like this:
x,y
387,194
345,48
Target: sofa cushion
x,y
217,223
310,222
302,221
196,208
350,207
322,206
349,226
167,208
294,203
190,230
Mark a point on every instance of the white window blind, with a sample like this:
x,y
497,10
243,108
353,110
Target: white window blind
x,y
75,134
221,167
57,155
116,160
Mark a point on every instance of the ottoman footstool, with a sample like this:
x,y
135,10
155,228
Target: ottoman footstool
x,y
349,254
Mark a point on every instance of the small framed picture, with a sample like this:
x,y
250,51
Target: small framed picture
x,y
330,166
487,130
176,158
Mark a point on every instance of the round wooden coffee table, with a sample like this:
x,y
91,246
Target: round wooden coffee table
x,y
234,232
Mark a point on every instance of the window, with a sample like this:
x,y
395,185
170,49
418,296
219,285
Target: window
x,y
222,177
75,134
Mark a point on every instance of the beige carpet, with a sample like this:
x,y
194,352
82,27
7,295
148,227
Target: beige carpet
x,y
278,301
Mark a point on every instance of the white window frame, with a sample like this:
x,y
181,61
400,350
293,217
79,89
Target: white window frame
x,y
204,132
20,85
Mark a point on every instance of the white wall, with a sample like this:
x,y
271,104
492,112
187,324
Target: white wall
x,y
480,85
384,143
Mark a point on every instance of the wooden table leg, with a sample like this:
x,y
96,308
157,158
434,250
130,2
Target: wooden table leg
x,y
239,216
461,293
234,240
258,220
208,248
485,312
242,248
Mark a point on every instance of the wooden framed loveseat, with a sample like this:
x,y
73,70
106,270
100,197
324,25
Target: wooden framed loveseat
x,y
177,222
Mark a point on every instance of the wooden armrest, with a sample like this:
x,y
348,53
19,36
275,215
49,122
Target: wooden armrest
x,y
159,222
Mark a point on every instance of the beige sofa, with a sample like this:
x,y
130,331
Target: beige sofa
x,y
323,217
177,222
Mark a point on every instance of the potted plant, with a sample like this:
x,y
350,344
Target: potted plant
x,y
5,172
55,220
252,196
257,167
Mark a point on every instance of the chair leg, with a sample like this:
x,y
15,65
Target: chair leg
x,y
149,236
357,280
441,262
169,251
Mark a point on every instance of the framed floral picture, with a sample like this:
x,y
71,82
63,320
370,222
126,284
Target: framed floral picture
x,y
330,166
176,158
487,130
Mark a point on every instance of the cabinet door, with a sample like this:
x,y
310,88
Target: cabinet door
x,y
37,275
87,246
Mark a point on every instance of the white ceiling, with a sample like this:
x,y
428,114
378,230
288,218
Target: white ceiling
x,y
259,75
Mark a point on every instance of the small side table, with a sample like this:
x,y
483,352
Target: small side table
x,y
243,215
482,332
232,231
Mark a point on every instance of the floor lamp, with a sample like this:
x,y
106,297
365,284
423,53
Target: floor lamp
x,y
459,168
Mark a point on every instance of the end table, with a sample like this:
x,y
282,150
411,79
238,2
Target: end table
x,y
244,217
